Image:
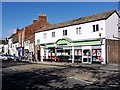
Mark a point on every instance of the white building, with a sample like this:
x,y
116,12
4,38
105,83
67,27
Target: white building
x,y
13,44
79,39
2,47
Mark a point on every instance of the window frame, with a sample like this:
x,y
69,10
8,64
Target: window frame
x,y
44,35
95,27
78,30
64,32
53,34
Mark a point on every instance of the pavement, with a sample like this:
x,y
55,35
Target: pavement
x,y
115,67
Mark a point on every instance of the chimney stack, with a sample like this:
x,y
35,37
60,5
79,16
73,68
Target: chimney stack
x,y
42,18
17,30
35,20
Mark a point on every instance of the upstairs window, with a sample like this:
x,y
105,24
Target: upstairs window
x,y
11,45
78,30
44,35
53,34
95,28
64,32
38,41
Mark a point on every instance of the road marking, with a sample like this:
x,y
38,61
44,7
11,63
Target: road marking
x,y
13,69
82,80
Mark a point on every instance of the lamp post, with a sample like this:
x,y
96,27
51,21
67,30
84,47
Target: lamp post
x,y
101,41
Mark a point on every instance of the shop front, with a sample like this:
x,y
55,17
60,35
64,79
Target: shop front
x,y
67,51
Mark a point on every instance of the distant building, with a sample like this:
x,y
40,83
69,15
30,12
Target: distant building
x,y
2,48
18,43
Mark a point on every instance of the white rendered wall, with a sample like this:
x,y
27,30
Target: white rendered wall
x,y
1,45
103,51
6,49
111,26
14,50
86,33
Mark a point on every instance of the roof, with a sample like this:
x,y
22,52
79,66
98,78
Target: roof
x,y
15,38
95,17
11,36
3,42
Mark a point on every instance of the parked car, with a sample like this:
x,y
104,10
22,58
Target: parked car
x,y
3,57
10,57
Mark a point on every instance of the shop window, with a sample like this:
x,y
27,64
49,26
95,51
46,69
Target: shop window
x,y
64,32
96,55
78,55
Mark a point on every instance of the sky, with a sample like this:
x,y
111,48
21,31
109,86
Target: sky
x,y
20,14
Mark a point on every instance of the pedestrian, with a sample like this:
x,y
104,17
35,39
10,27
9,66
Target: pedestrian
x,y
33,58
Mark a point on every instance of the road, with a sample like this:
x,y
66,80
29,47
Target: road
x,y
25,76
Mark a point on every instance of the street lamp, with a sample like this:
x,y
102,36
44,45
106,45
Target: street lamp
x,y
101,40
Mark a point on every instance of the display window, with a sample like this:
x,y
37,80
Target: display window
x,y
96,55
78,52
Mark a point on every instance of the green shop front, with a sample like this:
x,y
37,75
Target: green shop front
x,y
63,50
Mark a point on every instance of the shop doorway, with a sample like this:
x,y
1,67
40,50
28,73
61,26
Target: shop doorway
x,y
86,54
38,55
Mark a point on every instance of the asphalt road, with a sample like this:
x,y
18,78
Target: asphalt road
x,y
25,76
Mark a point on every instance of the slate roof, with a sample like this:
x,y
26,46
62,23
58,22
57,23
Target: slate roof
x,y
95,17
3,42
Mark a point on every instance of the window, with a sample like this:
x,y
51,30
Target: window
x,y
38,41
95,28
53,34
64,32
26,43
15,46
44,35
11,45
78,30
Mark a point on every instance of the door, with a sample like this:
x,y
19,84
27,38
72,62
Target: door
x,y
86,55
38,55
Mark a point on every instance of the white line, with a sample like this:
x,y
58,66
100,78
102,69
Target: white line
x,y
82,80
13,69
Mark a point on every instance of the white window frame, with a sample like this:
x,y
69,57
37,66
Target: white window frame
x,y
78,30
53,34
64,34
44,35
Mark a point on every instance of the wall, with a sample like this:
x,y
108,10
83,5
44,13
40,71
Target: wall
x,y
6,49
15,51
86,32
111,26
112,50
